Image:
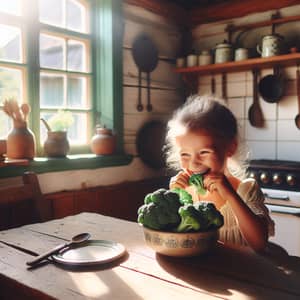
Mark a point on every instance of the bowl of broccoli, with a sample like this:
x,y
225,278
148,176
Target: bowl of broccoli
x,y
175,226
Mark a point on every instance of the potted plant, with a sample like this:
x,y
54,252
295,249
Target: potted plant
x,y
57,144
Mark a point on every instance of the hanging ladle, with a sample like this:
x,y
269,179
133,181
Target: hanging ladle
x,y
297,118
255,114
77,239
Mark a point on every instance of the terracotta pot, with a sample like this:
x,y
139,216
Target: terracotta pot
x,y
56,144
20,142
103,142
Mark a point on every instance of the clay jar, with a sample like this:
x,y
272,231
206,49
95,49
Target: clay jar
x,y
103,142
20,142
56,144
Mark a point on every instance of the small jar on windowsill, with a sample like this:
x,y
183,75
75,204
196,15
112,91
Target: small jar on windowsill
x,y
56,144
20,141
104,141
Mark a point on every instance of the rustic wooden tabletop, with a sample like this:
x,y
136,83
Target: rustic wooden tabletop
x,y
225,273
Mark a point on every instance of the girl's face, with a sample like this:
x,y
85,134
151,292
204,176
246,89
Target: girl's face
x,y
199,151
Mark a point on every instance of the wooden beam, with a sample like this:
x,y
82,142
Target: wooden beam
x,y
163,8
235,9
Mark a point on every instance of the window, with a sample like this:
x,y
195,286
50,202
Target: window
x,y
63,55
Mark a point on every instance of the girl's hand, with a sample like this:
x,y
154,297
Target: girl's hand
x,y
181,180
217,182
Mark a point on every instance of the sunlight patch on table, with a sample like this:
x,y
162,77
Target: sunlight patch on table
x,y
89,284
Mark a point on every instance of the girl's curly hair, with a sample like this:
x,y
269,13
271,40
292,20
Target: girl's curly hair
x,y
201,112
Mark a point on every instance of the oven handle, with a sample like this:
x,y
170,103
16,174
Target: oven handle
x,y
295,211
275,197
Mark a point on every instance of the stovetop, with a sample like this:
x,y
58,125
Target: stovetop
x,y
276,174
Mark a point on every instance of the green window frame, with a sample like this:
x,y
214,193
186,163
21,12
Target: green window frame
x,y
107,88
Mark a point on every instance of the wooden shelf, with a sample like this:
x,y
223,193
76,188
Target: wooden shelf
x,y
244,65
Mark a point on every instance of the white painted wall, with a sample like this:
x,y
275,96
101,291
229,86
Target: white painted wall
x,y
279,139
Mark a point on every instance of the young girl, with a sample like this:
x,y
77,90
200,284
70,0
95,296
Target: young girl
x,y
203,138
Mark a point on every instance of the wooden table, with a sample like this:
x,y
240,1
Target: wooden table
x,y
225,273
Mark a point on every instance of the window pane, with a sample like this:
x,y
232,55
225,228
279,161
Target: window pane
x,y
52,52
5,125
12,7
52,12
10,43
76,56
75,16
77,132
51,90
11,82
77,92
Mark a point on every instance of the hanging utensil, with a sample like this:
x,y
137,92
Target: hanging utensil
x,y
145,55
255,114
213,85
139,105
297,118
149,105
271,87
224,86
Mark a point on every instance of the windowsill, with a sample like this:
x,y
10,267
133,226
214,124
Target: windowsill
x,y
71,162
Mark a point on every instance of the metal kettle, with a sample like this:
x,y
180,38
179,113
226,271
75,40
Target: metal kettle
x,y
271,45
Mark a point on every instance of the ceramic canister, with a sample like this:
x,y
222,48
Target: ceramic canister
x,y
180,62
223,52
192,60
241,54
204,58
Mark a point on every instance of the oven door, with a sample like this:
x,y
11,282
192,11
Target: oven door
x,y
287,227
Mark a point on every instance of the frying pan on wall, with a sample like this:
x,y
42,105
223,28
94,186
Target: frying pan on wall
x,y
145,55
150,141
271,87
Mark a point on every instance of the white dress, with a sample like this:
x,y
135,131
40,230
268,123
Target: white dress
x,y
251,194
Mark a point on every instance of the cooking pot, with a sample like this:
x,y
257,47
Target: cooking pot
x,y
223,52
271,87
271,45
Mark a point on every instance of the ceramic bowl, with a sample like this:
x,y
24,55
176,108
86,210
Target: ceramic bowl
x,y
180,244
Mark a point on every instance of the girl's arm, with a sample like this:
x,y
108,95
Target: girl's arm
x,y
253,227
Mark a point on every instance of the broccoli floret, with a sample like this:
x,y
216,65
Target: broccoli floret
x,y
200,216
155,196
191,219
160,210
213,216
196,180
184,196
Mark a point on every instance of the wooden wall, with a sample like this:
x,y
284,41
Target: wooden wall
x,y
121,200
166,86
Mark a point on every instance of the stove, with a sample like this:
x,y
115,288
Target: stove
x,y
276,174
280,183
